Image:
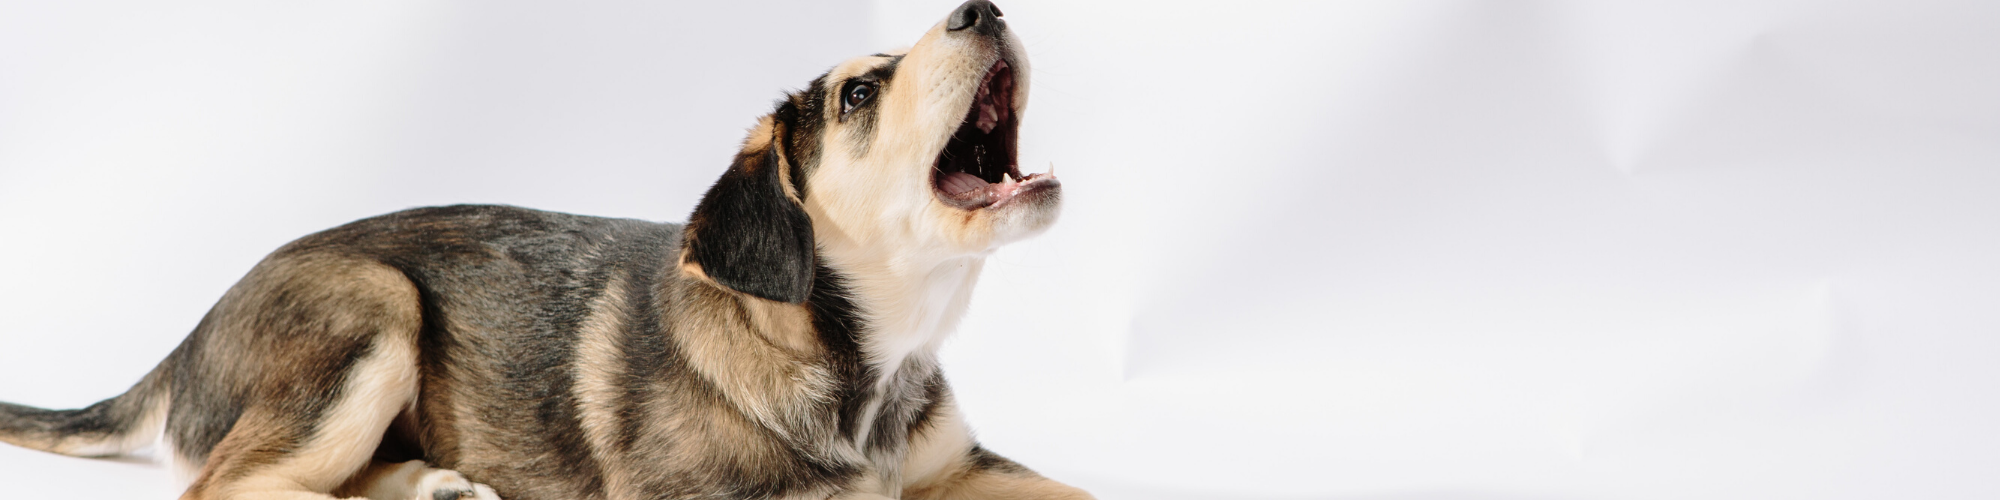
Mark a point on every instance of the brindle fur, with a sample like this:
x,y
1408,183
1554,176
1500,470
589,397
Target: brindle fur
x,y
556,356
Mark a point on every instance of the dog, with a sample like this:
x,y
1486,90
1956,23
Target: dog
x,y
780,344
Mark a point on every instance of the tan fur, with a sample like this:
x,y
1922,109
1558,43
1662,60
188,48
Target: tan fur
x,y
786,326
383,481
937,462
378,303
599,365
937,449
756,375
989,485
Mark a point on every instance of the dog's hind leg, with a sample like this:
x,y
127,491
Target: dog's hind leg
x,y
267,454
413,480
294,378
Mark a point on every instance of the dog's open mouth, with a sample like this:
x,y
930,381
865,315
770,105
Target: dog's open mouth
x,y
977,168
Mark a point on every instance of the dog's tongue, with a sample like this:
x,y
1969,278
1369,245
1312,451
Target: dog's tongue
x,y
969,191
961,184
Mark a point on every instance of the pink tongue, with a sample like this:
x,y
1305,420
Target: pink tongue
x,y
961,183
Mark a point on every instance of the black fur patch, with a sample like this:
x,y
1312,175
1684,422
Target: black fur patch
x,y
748,235
838,322
984,460
804,114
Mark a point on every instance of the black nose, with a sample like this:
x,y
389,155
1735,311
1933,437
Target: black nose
x,y
980,13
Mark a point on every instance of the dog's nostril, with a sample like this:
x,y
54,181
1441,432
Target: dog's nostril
x,y
967,15
995,9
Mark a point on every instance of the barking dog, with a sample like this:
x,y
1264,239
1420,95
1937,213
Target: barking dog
x,y
780,345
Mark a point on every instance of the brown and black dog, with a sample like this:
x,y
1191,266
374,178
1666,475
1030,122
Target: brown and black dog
x,y
781,344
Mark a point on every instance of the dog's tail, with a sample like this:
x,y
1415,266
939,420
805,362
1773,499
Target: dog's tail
x,y
111,427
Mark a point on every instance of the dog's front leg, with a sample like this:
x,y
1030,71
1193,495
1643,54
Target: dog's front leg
x,y
986,476
856,495
944,463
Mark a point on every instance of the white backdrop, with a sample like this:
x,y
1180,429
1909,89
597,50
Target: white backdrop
x,y
1403,250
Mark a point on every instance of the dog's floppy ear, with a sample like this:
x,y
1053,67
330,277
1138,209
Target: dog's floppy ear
x,y
749,233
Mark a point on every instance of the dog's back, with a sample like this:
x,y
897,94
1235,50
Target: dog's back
x,y
492,300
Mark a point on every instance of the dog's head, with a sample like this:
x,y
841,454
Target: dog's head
x,y
907,157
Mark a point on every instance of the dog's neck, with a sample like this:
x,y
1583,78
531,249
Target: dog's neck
x,y
907,304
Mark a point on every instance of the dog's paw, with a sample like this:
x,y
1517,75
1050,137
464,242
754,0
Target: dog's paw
x,y
440,484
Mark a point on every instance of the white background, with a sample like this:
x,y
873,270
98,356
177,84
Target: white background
x,y
1401,250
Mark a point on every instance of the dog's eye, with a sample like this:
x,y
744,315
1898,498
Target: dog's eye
x,y
858,93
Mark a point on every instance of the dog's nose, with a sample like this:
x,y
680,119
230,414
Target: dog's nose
x,y
975,13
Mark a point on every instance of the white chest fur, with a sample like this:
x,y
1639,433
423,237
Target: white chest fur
x,y
909,314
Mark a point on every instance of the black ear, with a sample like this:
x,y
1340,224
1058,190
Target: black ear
x,y
749,233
